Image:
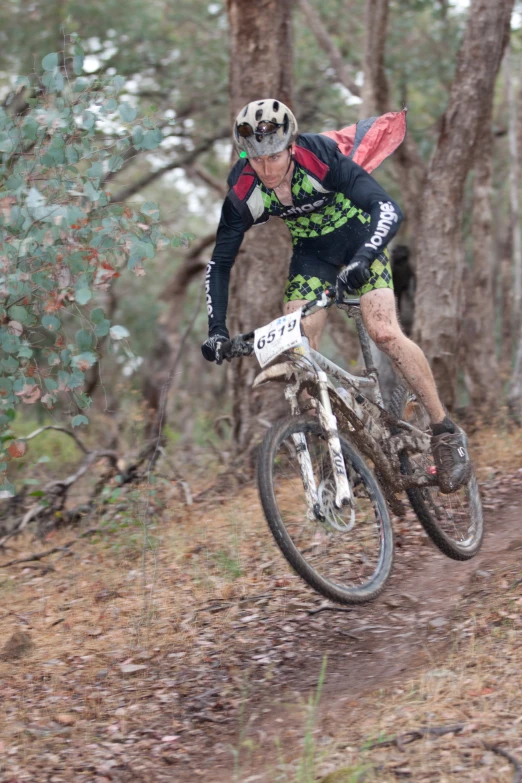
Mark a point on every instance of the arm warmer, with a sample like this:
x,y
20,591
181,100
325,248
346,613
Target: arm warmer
x,y
364,191
230,234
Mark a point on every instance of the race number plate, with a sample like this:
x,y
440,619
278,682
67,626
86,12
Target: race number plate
x,y
277,337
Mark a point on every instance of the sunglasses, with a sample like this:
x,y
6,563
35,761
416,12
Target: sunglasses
x,y
263,129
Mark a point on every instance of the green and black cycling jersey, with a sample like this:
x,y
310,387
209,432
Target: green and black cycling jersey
x,y
339,214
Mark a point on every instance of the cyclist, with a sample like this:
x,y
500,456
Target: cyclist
x,y
341,221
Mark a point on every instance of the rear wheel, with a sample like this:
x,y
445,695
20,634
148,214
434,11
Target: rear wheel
x,y
344,554
453,522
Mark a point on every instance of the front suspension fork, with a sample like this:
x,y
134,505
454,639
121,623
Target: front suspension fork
x,y
343,495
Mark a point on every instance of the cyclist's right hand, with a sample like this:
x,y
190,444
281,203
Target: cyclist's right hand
x,y
212,348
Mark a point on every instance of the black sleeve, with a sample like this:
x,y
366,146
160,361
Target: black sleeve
x,y
364,191
231,230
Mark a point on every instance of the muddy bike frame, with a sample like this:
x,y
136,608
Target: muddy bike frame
x,y
357,404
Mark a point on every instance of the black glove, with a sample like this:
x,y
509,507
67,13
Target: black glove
x,y
212,347
354,276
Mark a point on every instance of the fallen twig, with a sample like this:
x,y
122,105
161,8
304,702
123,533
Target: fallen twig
x,y
509,756
41,555
329,608
411,736
438,731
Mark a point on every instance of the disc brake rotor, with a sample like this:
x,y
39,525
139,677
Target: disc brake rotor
x,y
330,515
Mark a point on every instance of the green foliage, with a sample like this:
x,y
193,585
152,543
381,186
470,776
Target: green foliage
x,y
61,238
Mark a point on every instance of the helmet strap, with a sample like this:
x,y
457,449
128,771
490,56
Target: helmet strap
x,y
290,161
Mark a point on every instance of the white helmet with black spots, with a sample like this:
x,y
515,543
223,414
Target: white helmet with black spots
x,y
264,127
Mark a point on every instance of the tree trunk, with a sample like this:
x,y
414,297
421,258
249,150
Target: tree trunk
x,y
260,67
375,91
515,387
440,255
514,184
478,328
408,164
375,100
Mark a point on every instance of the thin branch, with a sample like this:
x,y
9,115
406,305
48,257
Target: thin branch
x,y
177,476
59,429
327,44
214,183
157,426
92,456
180,162
191,267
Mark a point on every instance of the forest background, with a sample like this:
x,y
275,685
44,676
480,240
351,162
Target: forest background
x,y
112,191
115,146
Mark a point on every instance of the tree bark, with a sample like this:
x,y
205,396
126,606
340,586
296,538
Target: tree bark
x,y
375,91
440,255
408,164
514,184
260,67
515,387
478,328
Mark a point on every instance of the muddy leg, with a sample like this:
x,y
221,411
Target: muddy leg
x,y
313,325
380,319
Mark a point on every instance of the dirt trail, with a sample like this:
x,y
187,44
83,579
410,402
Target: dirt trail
x,y
368,647
212,683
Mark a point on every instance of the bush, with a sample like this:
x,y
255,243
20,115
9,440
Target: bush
x,y
61,238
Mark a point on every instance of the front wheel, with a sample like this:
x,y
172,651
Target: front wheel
x,y
454,522
344,554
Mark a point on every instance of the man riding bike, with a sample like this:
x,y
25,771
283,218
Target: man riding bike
x,y
341,221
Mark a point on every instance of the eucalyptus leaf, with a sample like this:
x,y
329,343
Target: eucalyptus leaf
x,y
18,313
78,420
119,332
50,61
97,315
7,490
152,139
51,323
83,295
101,328
78,64
150,210
84,360
84,339
127,112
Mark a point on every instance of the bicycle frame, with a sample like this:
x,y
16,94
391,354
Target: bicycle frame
x,y
375,431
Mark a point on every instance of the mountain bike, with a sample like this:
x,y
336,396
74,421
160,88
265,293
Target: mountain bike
x,y
330,471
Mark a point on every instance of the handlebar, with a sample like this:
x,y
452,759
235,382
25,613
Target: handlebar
x,y
238,346
241,344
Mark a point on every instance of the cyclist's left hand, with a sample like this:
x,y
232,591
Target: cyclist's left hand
x,y
354,276
212,347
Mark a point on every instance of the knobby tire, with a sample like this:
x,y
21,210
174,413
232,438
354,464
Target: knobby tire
x,y
422,498
329,588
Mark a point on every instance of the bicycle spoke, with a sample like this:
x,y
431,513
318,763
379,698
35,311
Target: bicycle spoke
x,y
342,550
